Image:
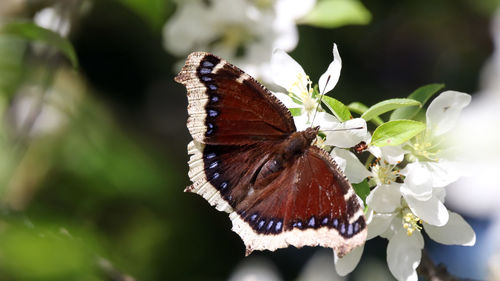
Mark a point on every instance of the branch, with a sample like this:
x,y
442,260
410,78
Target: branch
x,y
431,272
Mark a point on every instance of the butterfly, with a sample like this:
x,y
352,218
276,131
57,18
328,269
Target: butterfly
x,y
248,160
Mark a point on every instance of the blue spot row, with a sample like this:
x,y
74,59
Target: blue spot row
x,y
263,225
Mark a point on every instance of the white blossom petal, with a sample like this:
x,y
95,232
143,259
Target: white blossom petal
x,y
440,193
418,182
326,120
301,122
348,263
391,154
295,9
182,34
52,18
394,226
354,170
347,134
286,100
443,172
287,35
379,224
287,72
444,110
341,162
403,255
456,232
384,198
431,211
329,79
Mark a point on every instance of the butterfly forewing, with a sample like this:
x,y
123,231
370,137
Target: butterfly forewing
x,y
226,106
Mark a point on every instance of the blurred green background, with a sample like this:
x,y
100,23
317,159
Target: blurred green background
x,y
93,159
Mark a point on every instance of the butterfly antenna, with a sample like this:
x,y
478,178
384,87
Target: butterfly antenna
x,y
343,129
319,102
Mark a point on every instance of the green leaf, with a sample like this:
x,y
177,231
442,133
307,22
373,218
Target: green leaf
x,y
338,109
152,11
295,111
11,64
362,189
422,94
360,108
33,32
387,105
396,132
335,13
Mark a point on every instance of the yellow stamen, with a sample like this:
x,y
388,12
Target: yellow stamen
x,y
411,222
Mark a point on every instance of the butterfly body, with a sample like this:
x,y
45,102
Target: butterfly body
x,y
247,159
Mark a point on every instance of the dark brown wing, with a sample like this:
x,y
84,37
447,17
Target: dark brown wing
x,y
309,204
228,107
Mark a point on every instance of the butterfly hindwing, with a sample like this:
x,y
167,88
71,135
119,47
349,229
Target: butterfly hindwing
x,y
300,208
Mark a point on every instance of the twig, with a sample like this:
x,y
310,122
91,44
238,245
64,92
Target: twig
x,y
432,272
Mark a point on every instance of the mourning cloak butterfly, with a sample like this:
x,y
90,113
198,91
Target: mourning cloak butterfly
x,y
249,161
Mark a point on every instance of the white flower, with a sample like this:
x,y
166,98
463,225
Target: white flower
x,y
54,19
402,229
354,170
479,141
433,148
434,166
403,252
243,32
288,74
345,134
419,194
400,211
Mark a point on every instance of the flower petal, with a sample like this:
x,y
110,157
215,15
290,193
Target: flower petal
x,y
403,255
456,232
443,172
182,34
431,211
418,182
301,122
391,154
286,100
347,134
287,72
329,79
378,225
384,198
444,110
348,263
294,9
354,170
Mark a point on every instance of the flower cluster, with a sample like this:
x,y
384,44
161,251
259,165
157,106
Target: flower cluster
x,y
406,174
246,35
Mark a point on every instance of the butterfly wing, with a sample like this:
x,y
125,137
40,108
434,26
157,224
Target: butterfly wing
x,y
238,128
224,175
227,106
309,204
